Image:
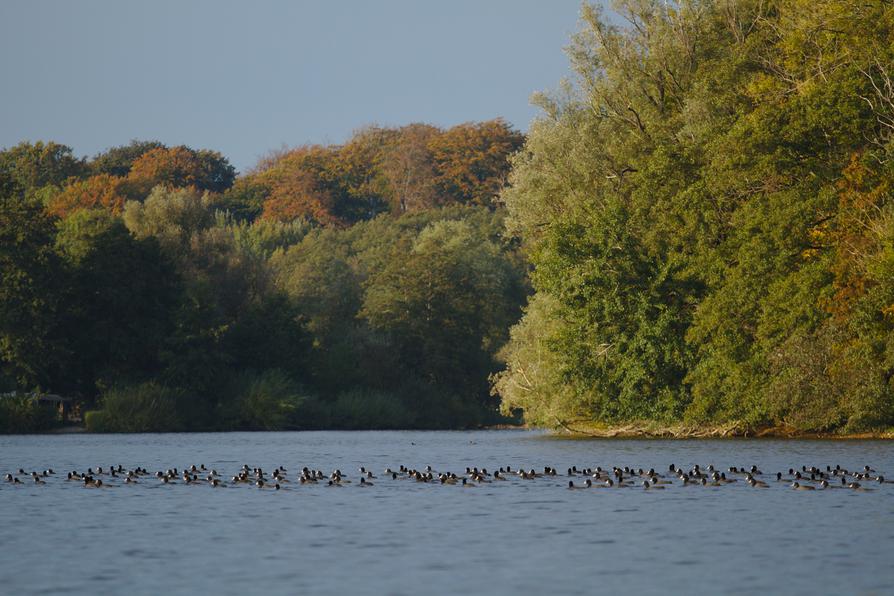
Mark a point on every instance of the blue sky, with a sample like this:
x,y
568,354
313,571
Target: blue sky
x,y
247,77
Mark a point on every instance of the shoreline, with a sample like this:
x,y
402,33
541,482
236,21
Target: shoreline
x,y
592,430
647,430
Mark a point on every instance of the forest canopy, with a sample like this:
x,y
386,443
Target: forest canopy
x,y
366,285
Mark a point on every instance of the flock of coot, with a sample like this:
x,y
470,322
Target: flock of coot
x,y
805,478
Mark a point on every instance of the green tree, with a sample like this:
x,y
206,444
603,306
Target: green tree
x,y
35,165
119,305
683,206
33,281
446,302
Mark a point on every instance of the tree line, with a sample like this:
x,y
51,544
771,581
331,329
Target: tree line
x,y
366,285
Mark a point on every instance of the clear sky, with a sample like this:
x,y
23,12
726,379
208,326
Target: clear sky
x,y
247,77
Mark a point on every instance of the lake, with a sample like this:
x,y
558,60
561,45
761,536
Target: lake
x,y
407,537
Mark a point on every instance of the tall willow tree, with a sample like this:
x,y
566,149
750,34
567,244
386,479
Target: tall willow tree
x,y
708,212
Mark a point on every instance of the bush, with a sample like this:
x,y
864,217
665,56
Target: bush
x,y
269,400
365,409
448,410
22,414
96,421
148,407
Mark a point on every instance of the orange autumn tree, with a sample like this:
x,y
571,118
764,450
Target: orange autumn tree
x,y
181,167
316,183
174,167
297,193
472,160
100,191
399,170
408,165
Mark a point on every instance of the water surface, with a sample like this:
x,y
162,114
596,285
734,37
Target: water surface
x,y
404,537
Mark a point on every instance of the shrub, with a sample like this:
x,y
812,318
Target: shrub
x,y
148,407
358,408
269,400
22,414
96,421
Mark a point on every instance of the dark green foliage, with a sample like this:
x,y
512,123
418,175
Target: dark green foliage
x,y
119,303
216,174
270,400
33,280
268,333
23,414
32,166
359,409
409,310
244,201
